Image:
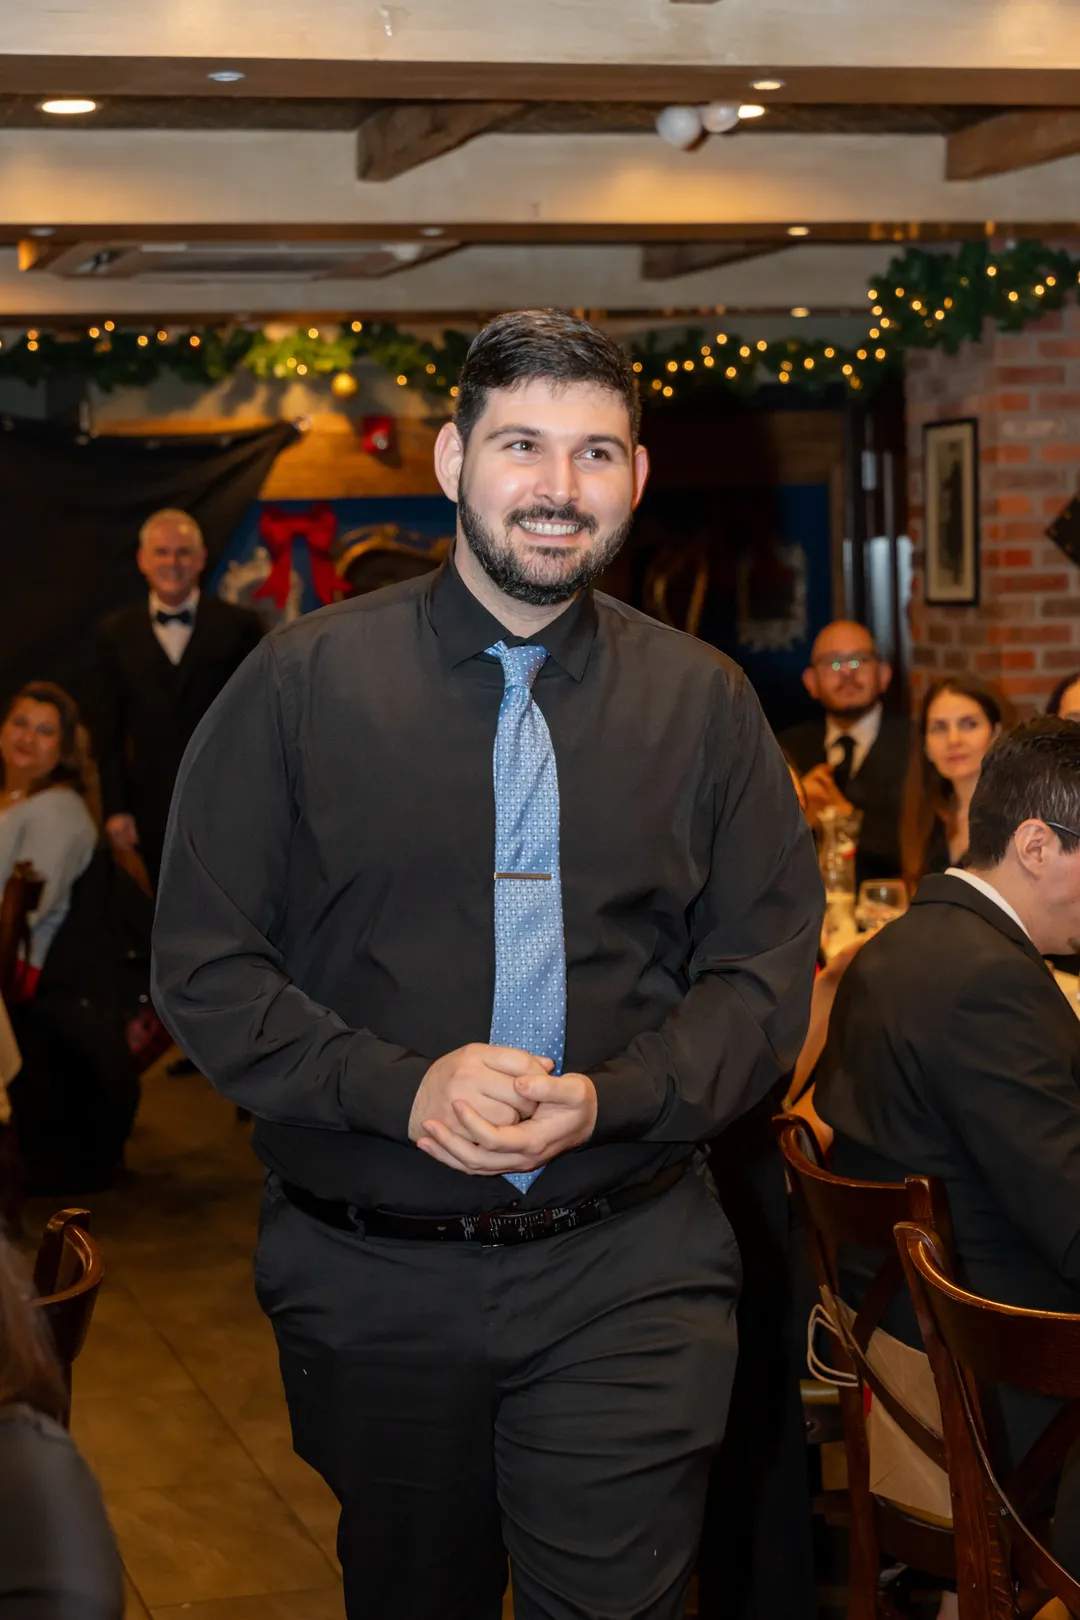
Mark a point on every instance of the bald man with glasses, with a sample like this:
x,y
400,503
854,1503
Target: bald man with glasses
x,y
854,755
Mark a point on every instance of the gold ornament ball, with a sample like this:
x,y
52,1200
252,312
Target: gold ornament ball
x,y
344,385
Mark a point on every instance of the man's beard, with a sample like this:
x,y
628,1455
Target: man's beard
x,y
511,574
851,711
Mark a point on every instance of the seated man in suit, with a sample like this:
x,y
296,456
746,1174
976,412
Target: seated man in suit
x,y
855,754
159,666
952,1052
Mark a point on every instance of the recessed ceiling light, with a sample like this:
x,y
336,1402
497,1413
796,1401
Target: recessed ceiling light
x,y
42,230
751,109
66,106
799,311
767,84
227,76
431,230
798,230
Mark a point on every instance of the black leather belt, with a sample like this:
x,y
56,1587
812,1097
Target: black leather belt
x,y
494,1228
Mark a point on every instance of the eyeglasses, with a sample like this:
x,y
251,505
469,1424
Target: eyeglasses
x,y
848,661
1058,828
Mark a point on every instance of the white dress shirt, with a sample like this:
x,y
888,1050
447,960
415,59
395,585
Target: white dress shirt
x,y
990,892
173,638
865,735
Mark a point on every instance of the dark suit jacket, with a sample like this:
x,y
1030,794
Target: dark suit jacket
x,y
144,708
952,1052
877,789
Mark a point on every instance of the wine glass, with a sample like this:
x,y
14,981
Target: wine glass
x,y
880,902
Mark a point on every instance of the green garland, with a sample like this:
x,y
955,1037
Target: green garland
x,y
924,300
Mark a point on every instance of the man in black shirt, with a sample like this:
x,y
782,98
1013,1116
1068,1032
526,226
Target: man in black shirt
x,y
502,1290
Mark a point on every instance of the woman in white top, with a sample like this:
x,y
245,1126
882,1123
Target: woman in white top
x,y
44,817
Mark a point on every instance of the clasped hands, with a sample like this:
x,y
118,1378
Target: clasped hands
x,y
489,1110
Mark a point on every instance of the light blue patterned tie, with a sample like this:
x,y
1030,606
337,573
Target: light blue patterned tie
x,y
530,955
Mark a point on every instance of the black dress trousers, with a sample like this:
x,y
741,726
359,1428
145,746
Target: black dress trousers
x,y
558,1402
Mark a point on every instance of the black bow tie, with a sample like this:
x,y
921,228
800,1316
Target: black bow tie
x,y
185,617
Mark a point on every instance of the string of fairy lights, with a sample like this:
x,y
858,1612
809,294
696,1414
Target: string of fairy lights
x,y
926,299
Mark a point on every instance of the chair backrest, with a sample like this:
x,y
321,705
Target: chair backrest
x,y
68,1272
22,894
837,1211
973,1343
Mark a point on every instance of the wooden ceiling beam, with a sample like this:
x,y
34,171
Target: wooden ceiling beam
x,y
405,134
663,261
1012,140
385,79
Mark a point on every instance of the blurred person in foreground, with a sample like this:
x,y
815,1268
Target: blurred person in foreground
x,y
58,1557
959,717
855,754
952,1053
159,665
490,898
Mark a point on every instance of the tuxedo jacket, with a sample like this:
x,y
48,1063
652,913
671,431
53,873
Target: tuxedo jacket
x,y
144,708
877,789
952,1053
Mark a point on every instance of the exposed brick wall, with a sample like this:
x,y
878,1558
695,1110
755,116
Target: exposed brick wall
x,y
1025,390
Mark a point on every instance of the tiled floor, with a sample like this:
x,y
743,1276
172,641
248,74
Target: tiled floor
x,y
177,1400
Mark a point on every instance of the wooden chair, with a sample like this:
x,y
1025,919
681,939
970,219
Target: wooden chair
x,y
1004,1568
68,1272
834,1211
22,895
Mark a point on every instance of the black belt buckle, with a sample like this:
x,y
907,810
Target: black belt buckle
x,y
500,1228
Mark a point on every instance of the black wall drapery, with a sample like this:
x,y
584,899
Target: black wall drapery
x,y
71,505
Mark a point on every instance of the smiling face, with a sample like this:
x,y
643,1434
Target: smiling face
x,y
958,733
31,740
546,486
171,558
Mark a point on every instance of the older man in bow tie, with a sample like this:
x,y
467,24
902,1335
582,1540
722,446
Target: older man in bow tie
x,y
159,666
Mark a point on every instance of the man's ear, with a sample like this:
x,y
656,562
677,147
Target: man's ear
x,y
449,456
1033,841
810,681
641,473
884,677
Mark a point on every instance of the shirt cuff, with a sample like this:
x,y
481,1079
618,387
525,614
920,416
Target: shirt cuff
x,y
628,1103
379,1087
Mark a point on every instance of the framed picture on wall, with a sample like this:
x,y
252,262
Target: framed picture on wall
x,y
951,512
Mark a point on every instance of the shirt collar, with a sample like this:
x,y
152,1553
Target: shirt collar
x,y
864,731
465,628
990,892
188,605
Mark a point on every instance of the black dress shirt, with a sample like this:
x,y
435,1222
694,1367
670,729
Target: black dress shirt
x,y
325,919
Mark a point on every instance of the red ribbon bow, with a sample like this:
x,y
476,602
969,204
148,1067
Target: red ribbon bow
x,y
278,530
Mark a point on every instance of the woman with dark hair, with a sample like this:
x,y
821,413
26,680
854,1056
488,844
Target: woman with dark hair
x,y
44,783
58,1558
1064,700
959,718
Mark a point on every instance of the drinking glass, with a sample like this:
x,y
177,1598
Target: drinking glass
x,y
879,903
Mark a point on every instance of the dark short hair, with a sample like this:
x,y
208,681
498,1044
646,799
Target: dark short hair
x,y
513,349
1033,773
1053,702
